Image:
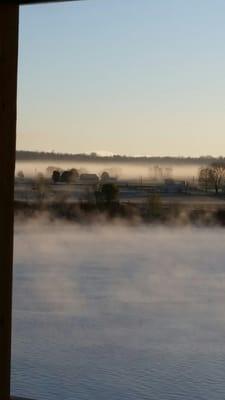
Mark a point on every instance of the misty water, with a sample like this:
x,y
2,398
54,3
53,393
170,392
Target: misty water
x,y
118,313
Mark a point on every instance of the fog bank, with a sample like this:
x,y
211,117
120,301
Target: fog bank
x,y
121,170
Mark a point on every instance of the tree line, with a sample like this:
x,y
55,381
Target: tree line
x,y
22,155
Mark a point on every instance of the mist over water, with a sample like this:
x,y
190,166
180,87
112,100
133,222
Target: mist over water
x,y
116,312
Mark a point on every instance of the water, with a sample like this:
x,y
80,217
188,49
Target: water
x,y
118,313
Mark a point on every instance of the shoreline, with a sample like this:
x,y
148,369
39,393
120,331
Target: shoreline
x,y
150,214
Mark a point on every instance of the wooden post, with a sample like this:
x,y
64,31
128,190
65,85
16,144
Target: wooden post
x,y
8,88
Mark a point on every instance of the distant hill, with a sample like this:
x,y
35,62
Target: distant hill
x,y
22,155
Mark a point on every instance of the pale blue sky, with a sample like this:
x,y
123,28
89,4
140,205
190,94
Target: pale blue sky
x,y
123,76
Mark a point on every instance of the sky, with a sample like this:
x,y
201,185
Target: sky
x,y
136,77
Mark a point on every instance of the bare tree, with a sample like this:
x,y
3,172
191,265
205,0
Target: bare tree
x,y
213,175
105,176
204,178
56,176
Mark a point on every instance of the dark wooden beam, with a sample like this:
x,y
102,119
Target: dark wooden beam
x,y
8,88
24,2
